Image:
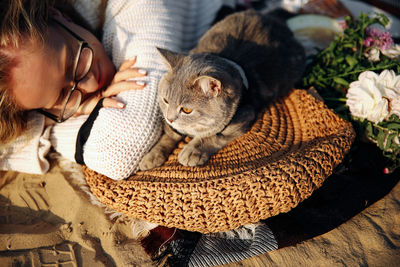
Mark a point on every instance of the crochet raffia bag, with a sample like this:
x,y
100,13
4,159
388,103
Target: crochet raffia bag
x,y
287,154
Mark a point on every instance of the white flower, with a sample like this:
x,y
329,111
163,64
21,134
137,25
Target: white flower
x,y
372,54
395,106
365,99
374,97
393,52
389,83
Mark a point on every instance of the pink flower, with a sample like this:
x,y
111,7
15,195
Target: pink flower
x,y
374,32
369,42
342,24
386,170
385,41
378,40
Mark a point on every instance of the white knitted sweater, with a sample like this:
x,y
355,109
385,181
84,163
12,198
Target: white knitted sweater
x,y
119,138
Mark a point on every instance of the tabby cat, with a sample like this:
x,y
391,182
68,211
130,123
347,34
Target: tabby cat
x,y
239,66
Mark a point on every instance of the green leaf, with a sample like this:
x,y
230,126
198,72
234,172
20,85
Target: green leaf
x,y
370,130
348,45
341,108
340,81
389,141
383,19
393,126
339,59
380,138
394,118
351,61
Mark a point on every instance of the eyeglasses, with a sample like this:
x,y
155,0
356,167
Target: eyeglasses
x,y
72,99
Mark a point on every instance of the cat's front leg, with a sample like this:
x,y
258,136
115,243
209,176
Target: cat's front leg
x,y
196,152
199,150
161,150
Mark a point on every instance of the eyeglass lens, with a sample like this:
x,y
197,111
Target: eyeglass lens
x,y
73,97
72,104
84,63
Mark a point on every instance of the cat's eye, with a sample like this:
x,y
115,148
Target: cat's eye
x,y
186,110
165,101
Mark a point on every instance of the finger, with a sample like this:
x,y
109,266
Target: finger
x,y
127,64
88,106
116,88
113,103
129,74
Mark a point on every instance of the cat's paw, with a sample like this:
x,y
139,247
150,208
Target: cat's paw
x,y
151,160
193,156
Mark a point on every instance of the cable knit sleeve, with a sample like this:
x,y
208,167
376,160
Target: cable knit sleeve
x,y
27,153
119,138
63,136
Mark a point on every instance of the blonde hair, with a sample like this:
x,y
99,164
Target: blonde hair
x,y
12,118
19,19
24,20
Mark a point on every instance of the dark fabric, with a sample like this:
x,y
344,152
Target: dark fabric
x,y
158,239
182,249
170,246
84,132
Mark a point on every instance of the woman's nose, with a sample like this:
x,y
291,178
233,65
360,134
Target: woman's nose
x,y
88,84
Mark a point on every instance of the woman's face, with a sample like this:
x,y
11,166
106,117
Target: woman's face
x,y
44,72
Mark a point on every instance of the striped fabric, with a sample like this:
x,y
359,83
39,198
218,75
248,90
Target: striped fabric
x,y
218,249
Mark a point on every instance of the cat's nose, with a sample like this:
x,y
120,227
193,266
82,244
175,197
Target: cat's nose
x,y
169,120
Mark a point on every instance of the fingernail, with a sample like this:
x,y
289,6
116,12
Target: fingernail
x,y
121,105
133,58
140,83
142,71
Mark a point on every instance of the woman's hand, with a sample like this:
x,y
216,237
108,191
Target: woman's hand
x,y
119,84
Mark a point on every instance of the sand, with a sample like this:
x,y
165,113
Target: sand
x,y
371,238
48,220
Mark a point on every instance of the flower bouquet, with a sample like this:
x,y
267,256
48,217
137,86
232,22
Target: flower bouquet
x,y
358,76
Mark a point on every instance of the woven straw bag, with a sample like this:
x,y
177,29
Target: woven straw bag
x,y
290,150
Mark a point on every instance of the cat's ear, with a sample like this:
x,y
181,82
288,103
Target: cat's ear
x,y
170,58
209,85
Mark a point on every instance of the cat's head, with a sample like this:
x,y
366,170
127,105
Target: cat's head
x,y
199,94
